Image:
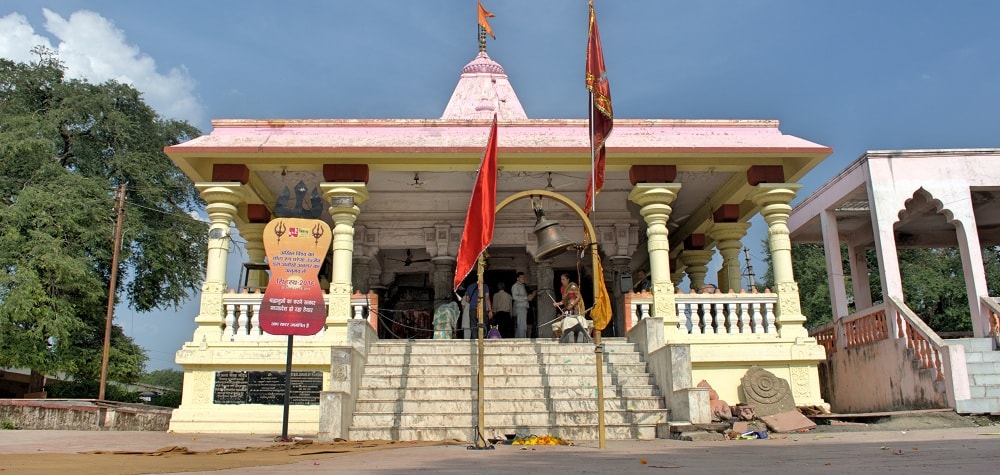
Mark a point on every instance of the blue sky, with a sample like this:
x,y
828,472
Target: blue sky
x,y
853,75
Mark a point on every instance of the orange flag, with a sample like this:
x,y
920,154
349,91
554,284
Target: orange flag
x,y
479,221
601,115
601,313
483,15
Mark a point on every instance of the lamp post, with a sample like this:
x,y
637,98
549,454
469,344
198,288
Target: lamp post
x,y
589,236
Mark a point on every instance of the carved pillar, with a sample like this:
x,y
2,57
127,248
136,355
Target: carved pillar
x,y
444,279
222,200
546,312
774,199
677,272
728,240
361,273
654,200
344,199
696,265
253,234
620,266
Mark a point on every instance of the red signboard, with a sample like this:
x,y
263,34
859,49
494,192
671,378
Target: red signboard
x,y
294,303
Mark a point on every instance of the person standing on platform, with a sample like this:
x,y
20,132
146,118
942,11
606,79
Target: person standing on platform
x,y
472,293
521,297
501,311
645,283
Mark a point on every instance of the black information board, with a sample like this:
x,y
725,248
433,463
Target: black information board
x,y
267,387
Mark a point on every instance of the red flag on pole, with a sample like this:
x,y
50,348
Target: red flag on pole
x,y
478,232
601,115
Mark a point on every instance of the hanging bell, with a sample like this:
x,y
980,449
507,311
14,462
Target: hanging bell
x,y
551,240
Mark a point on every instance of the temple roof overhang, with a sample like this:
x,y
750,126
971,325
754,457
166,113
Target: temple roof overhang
x,y
449,145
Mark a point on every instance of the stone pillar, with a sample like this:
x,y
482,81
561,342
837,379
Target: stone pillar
x,y
620,265
774,199
859,276
728,240
253,234
344,199
444,279
546,312
361,273
654,200
222,200
696,265
677,274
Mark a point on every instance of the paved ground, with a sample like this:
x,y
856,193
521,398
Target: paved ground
x,y
910,447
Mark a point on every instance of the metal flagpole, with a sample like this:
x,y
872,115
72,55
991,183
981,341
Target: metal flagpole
x,y
593,157
480,442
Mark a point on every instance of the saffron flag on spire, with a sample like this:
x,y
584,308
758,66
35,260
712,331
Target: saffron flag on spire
x,y
601,116
483,15
478,232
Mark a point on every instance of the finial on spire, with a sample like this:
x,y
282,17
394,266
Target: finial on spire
x,y
484,26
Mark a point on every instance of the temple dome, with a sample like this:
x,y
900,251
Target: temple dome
x,y
483,64
482,89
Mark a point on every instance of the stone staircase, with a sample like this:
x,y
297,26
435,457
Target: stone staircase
x,y
983,364
426,390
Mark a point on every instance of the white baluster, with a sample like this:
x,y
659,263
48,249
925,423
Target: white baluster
x,y
718,318
244,320
758,326
643,311
357,312
230,321
769,317
730,316
744,318
255,320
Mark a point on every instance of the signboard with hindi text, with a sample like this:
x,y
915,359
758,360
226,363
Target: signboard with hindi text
x,y
294,303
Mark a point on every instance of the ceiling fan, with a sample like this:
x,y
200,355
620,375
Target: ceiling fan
x,y
409,259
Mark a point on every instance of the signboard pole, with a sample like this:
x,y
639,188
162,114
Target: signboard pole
x,y
288,391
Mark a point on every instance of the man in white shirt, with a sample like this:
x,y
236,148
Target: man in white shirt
x,y
521,298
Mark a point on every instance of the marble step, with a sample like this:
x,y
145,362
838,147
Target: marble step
x,y
461,347
452,369
466,433
375,420
504,358
527,380
535,392
496,405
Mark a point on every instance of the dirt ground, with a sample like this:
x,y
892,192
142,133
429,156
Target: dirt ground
x,y
47,452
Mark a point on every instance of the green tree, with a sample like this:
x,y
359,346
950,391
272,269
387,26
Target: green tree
x,y
65,147
933,283
809,271
164,378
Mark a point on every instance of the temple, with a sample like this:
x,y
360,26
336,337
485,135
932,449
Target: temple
x,y
678,194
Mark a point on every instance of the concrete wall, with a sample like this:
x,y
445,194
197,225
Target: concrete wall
x,y
82,414
847,379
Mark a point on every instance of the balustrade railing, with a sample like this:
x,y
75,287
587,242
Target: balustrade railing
x,y
712,314
242,321
890,320
993,306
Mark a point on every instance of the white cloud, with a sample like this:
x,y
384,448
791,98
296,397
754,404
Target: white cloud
x,y
92,48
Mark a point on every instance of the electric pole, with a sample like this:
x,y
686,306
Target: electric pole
x,y
120,215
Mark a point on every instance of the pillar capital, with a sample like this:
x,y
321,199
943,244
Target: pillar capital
x,y
774,198
696,264
723,232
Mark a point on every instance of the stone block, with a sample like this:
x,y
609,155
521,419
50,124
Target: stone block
x,y
788,422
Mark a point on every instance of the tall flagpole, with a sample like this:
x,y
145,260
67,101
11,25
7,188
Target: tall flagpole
x,y
593,157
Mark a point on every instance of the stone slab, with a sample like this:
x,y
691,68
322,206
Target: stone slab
x,y
790,421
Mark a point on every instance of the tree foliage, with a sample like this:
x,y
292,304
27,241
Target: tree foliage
x,y
165,378
933,283
65,147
